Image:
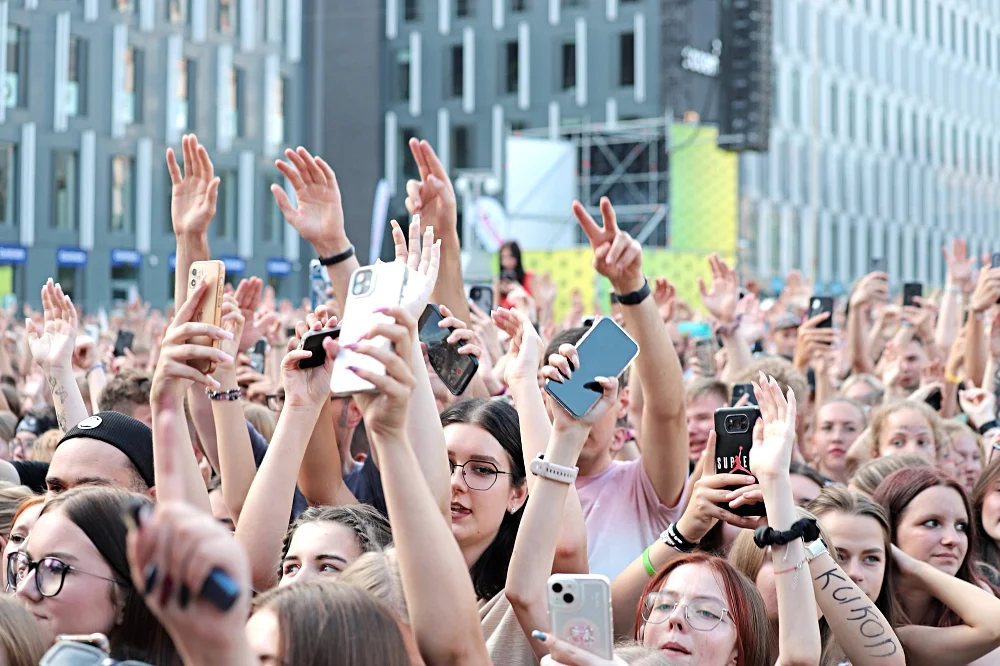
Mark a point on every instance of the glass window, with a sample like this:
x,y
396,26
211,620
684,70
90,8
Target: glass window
x,y
795,94
65,178
237,100
834,109
177,10
279,107
927,20
76,84
411,10
403,74
8,183
464,8
225,216
851,116
133,85
511,65
404,156
574,3
228,15
16,82
461,147
940,26
774,222
518,5
122,193
626,59
456,66
869,119
568,81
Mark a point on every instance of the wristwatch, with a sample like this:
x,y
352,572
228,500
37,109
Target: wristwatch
x,y
815,549
561,473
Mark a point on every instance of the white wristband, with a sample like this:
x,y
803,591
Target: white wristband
x,y
561,473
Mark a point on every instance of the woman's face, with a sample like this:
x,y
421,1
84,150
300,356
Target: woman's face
x,y
934,528
906,432
804,489
319,549
838,424
860,392
476,514
87,602
968,460
858,545
22,445
683,645
507,260
991,511
264,635
19,534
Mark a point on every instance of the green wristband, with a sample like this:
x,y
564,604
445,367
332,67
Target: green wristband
x,y
646,562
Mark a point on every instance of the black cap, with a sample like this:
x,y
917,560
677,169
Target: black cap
x,y
36,424
131,437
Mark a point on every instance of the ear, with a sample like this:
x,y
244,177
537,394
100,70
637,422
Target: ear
x,y
518,496
624,400
618,443
354,414
151,493
732,658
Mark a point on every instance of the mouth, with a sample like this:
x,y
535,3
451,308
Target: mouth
x,y
837,451
945,557
675,648
459,511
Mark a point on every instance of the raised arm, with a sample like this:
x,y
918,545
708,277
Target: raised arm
x,y
872,287
721,302
958,282
439,592
663,434
986,295
192,207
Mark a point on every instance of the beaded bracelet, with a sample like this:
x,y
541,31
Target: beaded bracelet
x,y
230,395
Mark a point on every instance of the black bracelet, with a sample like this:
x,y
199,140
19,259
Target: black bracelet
x,y
635,297
989,425
337,258
673,538
805,529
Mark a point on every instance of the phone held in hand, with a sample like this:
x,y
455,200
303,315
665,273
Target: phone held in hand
x,y
257,355
313,342
580,610
740,390
819,305
704,350
319,282
371,288
934,399
210,311
123,341
733,439
605,350
911,292
482,297
455,370
879,265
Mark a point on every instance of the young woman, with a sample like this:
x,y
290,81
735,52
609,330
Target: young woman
x,y
512,273
806,482
11,499
966,452
325,540
839,422
73,576
24,519
950,608
907,427
986,503
869,476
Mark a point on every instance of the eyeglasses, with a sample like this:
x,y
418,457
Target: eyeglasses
x,y
701,614
478,474
50,573
275,401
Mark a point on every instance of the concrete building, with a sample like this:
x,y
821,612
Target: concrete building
x,y
94,92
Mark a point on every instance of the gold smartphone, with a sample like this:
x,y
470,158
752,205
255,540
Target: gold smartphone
x,y
210,311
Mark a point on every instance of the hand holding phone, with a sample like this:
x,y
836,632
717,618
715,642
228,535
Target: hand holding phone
x,y
312,342
821,305
445,347
704,350
124,341
911,292
734,438
210,310
580,609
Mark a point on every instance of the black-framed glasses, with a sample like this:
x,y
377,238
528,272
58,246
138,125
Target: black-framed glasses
x,y
478,474
50,573
701,614
275,401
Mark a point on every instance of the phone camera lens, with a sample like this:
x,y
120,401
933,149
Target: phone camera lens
x,y
194,271
568,598
194,283
557,588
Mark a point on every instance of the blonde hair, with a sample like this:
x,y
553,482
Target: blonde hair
x,y
881,416
953,429
783,372
869,476
45,445
261,418
11,498
377,573
877,389
706,386
21,642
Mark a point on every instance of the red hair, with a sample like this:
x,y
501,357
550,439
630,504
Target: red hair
x,y
746,607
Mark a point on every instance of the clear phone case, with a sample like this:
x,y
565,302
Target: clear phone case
x,y
580,611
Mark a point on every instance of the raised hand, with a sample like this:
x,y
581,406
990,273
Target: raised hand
x,y
309,388
979,405
256,326
462,333
433,196
774,432
987,290
195,194
873,287
233,322
423,260
560,368
562,653
617,256
52,345
959,265
813,340
525,346
665,294
752,324
318,215
721,300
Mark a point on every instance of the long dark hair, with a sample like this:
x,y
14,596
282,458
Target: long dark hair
x,y
989,552
499,418
515,251
98,512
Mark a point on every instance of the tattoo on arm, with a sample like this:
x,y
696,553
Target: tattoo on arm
x,y
59,395
871,626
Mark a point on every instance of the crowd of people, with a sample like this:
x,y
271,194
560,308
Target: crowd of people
x,y
179,503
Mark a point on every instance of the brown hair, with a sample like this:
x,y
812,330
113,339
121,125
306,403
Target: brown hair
x,y
45,445
8,426
870,475
124,392
21,642
876,394
989,551
706,386
377,573
11,499
783,372
329,623
261,418
13,399
881,416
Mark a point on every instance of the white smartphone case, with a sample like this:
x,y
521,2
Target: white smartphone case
x,y
580,612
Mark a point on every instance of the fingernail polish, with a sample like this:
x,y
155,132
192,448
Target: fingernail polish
x,y
353,346
184,597
538,636
151,574
352,368
166,590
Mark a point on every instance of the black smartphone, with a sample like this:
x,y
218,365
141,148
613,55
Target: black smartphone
x,y
589,321
912,290
124,341
934,400
733,439
482,297
290,331
879,265
995,260
313,342
605,350
455,370
817,306
740,390
257,355
704,350
508,275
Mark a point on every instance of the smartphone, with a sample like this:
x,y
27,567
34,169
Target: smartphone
x,y
455,370
605,350
123,341
257,355
588,321
695,329
817,306
879,265
740,390
313,342
733,439
934,400
704,350
912,290
508,275
371,288
482,297
211,307
580,610
319,282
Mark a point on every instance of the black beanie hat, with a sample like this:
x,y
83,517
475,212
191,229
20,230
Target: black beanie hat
x,y
131,437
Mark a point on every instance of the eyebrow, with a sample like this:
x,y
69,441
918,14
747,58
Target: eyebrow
x,y
698,598
94,481
478,457
59,555
325,556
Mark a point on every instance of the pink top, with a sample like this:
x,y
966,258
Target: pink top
x,y
623,515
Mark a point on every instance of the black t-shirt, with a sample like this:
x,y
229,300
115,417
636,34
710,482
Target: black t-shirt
x,y
366,484
32,474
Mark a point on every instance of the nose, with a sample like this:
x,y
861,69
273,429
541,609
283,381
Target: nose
x,y
949,536
457,479
27,589
678,617
855,572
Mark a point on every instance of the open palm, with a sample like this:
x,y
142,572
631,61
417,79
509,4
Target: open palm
x,y
52,346
525,346
721,300
423,258
319,213
195,193
774,433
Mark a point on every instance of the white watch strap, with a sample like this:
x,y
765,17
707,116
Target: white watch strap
x,y
815,549
561,473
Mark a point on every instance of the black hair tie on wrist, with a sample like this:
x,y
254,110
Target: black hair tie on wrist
x,y
806,529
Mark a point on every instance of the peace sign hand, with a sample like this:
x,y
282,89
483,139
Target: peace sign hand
x,y
617,256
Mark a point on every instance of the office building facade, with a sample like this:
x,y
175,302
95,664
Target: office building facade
x,y
94,93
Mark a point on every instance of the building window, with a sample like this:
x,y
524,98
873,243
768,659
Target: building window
x,y
851,116
518,5
16,83
461,147
177,10
403,61
133,85
185,94
65,178
411,10
228,15
122,194
76,85
237,101
568,66
795,97
123,6
574,3
404,157
626,59
457,69
225,216
8,183
464,8
511,62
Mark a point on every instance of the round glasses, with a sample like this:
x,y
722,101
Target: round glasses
x,y
701,614
50,573
478,474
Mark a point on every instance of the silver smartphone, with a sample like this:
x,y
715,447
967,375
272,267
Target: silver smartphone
x,y
580,611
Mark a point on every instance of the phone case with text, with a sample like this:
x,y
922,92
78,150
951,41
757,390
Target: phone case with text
x,y
733,439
